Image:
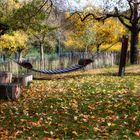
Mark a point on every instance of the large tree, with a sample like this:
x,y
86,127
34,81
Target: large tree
x,y
16,15
127,11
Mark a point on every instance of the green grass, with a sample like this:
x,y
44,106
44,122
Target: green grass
x,y
91,106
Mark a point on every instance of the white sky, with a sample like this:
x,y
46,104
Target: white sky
x,y
78,4
75,5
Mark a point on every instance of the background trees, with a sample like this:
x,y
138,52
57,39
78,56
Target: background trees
x,y
21,17
16,15
91,34
32,14
44,38
127,13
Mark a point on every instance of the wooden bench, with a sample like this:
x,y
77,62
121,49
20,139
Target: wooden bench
x,y
24,80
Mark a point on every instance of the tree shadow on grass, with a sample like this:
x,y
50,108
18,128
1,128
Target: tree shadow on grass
x,y
65,77
116,74
80,74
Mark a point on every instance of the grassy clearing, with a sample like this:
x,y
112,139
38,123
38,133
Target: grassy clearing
x,y
92,105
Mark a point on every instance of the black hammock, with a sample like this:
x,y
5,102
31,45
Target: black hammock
x,y
81,64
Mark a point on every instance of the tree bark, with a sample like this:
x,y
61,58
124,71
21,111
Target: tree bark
x,y
98,46
41,56
134,46
41,52
18,56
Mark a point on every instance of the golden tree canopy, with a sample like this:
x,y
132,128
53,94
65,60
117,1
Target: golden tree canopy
x,y
14,41
93,33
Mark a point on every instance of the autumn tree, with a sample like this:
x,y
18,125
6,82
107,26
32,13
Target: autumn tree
x,y
45,31
7,9
128,14
15,42
79,35
23,15
44,38
92,34
108,33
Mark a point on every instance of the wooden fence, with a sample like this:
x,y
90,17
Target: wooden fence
x,y
106,59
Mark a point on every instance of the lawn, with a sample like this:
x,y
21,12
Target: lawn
x,y
94,104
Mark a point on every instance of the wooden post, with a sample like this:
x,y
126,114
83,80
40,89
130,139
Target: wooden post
x,y
123,56
9,91
5,77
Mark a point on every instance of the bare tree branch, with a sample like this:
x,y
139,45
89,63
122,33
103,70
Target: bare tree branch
x,y
133,1
131,10
87,16
41,7
104,17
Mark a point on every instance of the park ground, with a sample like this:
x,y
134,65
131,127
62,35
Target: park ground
x,y
93,104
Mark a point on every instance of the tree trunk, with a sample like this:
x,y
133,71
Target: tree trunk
x,y
41,56
134,46
4,58
58,47
98,48
18,56
41,52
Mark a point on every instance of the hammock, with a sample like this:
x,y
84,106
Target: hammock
x,y
81,64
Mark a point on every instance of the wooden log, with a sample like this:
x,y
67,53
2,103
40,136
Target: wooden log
x,y
5,77
24,80
9,91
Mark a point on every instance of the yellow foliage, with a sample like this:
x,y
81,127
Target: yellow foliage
x,y
89,34
67,14
14,41
7,7
115,47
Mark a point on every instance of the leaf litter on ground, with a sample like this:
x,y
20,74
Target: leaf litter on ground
x,y
92,106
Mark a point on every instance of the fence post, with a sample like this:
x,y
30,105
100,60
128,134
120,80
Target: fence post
x,y
123,55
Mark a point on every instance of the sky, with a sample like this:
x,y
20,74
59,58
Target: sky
x,y
75,5
80,4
